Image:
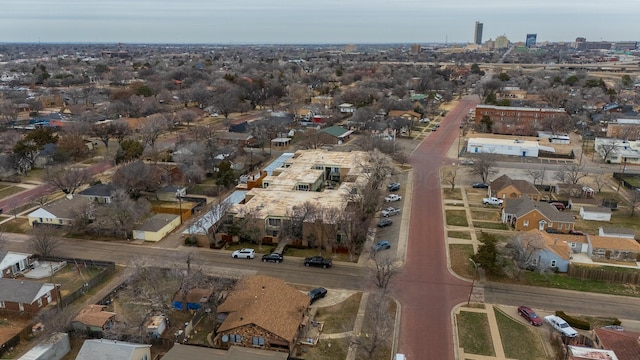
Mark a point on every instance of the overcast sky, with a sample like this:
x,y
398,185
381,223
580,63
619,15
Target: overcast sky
x,y
314,21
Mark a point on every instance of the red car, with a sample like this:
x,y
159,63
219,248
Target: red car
x,y
530,315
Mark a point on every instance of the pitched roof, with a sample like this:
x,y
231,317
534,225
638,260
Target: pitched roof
x,y
597,209
523,186
399,113
64,208
336,131
614,243
156,222
522,206
623,343
618,230
557,243
181,352
21,291
266,302
9,258
103,349
98,190
93,315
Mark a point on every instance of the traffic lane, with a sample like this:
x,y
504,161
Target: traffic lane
x,y
622,307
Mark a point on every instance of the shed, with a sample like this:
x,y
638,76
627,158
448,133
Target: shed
x,y
156,325
156,227
597,213
617,232
55,347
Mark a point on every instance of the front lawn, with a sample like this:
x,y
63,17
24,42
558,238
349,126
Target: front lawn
x,y
474,334
459,235
460,263
454,194
339,317
457,218
485,215
490,225
519,341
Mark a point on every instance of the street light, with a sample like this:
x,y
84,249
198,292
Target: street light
x,y
180,202
475,266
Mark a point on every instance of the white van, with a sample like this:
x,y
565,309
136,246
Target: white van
x,y
399,357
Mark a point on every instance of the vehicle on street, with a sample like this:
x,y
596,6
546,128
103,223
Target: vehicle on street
x,y
560,206
399,357
529,315
559,324
492,201
390,211
273,257
244,253
393,187
393,197
317,261
467,162
381,245
384,222
480,186
316,294
552,231
434,129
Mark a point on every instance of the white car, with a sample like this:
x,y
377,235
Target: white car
x,y
390,211
393,197
243,254
559,324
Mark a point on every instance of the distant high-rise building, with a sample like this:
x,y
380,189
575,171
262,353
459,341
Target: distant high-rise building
x,y
350,48
477,34
502,42
531,40
415,49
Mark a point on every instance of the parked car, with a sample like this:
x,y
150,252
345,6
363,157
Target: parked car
x,y
273,257
393,197
559,324
492,201
560,206
552,231
390,211
425,120
576,232
393,187
467,162
384,222
480,186
317,261
317,293
243,253
529,315
381,245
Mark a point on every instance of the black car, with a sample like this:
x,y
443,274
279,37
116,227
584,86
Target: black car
x,y
553,231
393,187
317,293
480,186
385,222
273,257
317,261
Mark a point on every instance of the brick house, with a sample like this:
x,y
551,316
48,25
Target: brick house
x,y
404,114
627,129
13,263
505,187
26,296
525,214
262,312
613,249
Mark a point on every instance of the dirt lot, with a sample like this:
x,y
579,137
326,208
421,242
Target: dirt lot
x,y
11,324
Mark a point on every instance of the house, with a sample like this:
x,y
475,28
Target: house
x,y
624,343
262,312
60,212
504,187
193,299
338,134
525,214
99,193
544,251
156,227
103,349
93,319
587,353
597,213
26,296
234,138
13,263
404,114
347,108
55,347
613,249
181,352
156,325
617,232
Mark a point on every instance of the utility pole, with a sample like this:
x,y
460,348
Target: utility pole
x,y
475,274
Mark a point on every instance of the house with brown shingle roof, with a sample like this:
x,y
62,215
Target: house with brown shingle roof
x,y
624,343
262,312
404,114
525,214
613,248
93,318
543,251
505,187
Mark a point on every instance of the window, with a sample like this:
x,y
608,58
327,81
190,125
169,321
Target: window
x,y
525,223
235,338
572,244
1,304
551,225
553,263
39,302
534,262
258,341
274,222
303,187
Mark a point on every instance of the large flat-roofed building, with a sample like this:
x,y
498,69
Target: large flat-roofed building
x,y
324,180
625,129
505,147
518,120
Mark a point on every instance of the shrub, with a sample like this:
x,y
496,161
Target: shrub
x,y
574,322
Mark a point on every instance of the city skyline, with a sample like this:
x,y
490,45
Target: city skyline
x,y
331,21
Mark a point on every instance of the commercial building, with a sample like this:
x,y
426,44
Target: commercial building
x,y
502,42
477,34
531,40
505,147
624,129
518,120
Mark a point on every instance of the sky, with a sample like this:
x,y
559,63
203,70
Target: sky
x,y
314,22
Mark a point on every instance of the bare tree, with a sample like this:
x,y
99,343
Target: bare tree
x,y
571,173
56,319
451,177
635,201
382,270
186,116
605,149
377,327
524,249
536,175
155,125
484,166
600,180
44,239
120,215
213,218
136,177
68,179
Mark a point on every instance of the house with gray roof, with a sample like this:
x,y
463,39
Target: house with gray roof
x,y
620,232
525,214
103,349
100,193
60,212
25,296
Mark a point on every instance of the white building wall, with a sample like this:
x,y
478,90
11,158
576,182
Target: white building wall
x,y
514,148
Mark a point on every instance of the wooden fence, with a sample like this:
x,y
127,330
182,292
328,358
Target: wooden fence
x,y
606,275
